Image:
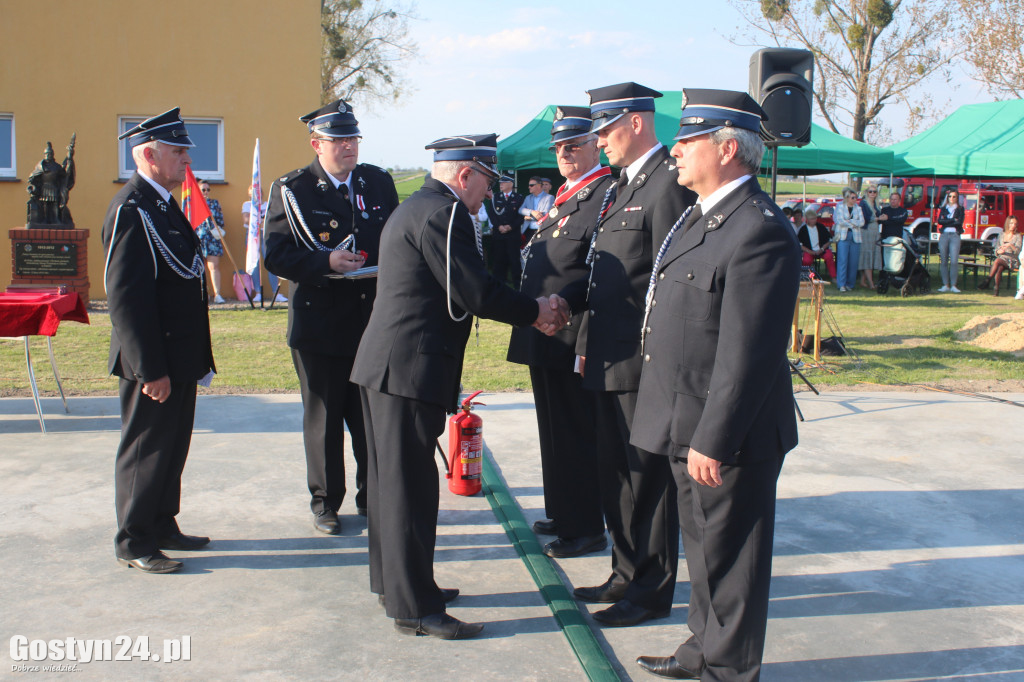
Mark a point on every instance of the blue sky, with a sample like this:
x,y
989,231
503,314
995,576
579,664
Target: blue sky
x,y
490,67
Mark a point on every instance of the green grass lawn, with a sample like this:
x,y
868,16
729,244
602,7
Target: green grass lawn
x,y
896,341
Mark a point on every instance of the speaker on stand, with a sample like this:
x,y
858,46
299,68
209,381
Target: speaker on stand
x,y
782,82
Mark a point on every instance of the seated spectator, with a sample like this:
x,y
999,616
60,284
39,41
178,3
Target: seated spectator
x,y
815,241
1007,254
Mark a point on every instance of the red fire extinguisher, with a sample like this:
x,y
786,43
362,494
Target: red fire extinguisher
x,y
465,449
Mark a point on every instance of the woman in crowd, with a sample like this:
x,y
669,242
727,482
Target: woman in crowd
x,y
870,252
951,225
849,219
210,233
1007,254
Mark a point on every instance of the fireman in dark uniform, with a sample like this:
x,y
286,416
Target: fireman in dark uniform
x,y
636,486
159,342
506,229
323,221
555,257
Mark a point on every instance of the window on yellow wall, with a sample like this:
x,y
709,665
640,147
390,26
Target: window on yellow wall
x,y
8,160
207,156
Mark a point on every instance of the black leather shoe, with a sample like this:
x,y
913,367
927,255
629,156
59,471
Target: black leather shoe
x,y
439,625
564,549
625,613
666,666
608,592
361,511
326,521
447,594
155,563
184,543
545,527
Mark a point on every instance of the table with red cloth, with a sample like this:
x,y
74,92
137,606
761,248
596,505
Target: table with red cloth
x,y
39,312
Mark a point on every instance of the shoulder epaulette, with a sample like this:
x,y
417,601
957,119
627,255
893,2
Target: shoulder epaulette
x,y
285,179
370,167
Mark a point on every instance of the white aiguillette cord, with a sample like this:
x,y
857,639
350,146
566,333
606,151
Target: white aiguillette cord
x,y
448,268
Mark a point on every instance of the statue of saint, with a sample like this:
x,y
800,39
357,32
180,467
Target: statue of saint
x,y
48,188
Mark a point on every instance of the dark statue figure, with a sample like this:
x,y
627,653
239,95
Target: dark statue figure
x,y
48,188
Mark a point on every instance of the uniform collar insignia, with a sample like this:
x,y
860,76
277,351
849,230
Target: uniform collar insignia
x,y
162,205
768,213
321,185
362,182
640,179
583,193
714,222
671,166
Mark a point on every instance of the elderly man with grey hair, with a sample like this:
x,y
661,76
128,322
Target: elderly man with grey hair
x,y
715,394
432,280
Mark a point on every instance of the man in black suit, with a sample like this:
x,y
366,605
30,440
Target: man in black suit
x,y
639,507
432,280
716,398
325,220
555,257
506,231
159,342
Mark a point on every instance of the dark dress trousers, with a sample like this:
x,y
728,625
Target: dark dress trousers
x,y
409,365
636,496
556,258
326,316
505,261
159,327
716,378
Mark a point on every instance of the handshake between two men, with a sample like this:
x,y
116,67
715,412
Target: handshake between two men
x,y
553,314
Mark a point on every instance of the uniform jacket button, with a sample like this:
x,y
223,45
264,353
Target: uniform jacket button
x,y
647,358
661,276
362,296
689,275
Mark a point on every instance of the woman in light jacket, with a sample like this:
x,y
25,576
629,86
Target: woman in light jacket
x,y
848,221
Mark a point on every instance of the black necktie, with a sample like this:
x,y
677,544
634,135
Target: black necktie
x,y
692,219
343,188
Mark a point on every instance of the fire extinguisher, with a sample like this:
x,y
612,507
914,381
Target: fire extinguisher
x,y
465,449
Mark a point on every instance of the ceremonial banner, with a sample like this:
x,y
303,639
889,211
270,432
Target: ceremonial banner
x,y
252,242
193,204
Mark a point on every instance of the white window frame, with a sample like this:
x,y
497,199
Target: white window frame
x,y
11,172
123,153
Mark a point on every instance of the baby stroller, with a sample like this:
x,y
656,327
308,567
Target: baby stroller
x,y
901,266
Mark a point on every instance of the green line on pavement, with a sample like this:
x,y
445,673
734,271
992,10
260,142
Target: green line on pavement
x,y
567,613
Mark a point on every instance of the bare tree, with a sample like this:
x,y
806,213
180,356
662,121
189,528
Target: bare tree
x,y
867,53
364,45
994,49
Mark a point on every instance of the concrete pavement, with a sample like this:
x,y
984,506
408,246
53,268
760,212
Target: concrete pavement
x,y
899,552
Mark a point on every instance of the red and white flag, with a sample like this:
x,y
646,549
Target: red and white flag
x,y
254,237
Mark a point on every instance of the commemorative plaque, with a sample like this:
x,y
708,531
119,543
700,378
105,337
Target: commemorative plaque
x,y
45,260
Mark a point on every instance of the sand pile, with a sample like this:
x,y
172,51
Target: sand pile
x,y
998,332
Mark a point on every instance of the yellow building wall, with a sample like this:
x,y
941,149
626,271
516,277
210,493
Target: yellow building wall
x,y
70,66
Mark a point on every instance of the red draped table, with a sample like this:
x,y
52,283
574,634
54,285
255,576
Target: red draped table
x,y
39,312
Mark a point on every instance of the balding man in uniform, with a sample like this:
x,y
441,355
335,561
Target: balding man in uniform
x,y
323,221
635,485
554,258
159,342
716,398
432,280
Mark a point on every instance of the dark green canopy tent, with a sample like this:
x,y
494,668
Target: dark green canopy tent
x,y
526,151
976,140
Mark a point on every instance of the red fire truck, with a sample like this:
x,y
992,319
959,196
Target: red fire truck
x,y
922,197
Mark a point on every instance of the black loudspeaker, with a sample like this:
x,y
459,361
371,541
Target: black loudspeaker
x,y
782,82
